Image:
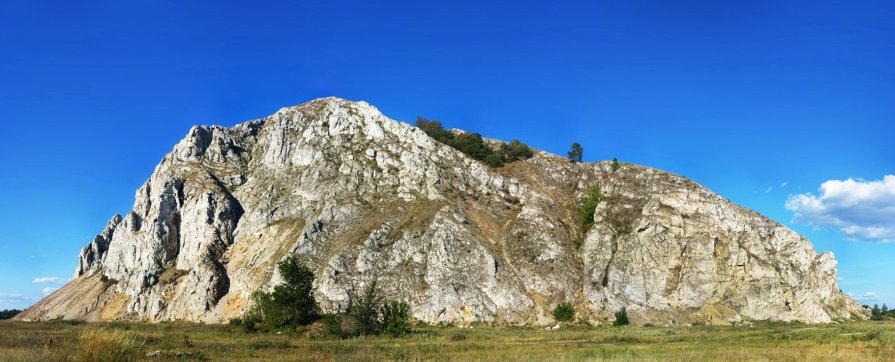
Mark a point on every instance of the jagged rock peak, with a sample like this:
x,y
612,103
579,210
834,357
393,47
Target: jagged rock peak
x,y
363,198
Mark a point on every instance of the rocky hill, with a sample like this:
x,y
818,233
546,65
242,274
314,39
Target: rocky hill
x,y
361,197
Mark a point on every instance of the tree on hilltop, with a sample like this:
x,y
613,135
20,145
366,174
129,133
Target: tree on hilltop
x,y
577,152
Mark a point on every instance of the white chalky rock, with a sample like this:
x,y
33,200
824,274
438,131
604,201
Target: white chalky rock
x,y
363,198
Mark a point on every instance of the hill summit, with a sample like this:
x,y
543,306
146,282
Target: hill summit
x,y
363,198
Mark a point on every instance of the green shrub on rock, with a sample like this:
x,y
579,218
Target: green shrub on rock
x,y
621,318
588,206
474,146
564,312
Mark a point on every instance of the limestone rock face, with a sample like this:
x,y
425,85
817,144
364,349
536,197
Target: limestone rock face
x,y
362,198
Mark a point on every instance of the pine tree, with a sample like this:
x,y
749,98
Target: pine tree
x,y
577,153
291,303
621,317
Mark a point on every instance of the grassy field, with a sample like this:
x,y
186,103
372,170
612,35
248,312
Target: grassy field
x,y
67,341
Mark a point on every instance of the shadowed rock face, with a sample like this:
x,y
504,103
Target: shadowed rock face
x,y
361,197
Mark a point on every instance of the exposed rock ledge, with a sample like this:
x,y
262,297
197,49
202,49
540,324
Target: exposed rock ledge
x,y
361,197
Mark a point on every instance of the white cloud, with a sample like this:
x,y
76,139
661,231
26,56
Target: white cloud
x,y
48,280
49,290
14,297
861,210
14,301
784,184
865,297
769,189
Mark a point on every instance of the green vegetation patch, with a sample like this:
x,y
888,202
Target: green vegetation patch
x,y
9,313
564,312
588,205
291,306
621,318
473,145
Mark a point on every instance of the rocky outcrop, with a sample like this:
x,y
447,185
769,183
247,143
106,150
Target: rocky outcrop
x,y
363,198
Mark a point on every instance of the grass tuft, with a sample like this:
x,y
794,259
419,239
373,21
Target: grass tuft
x,y
109,345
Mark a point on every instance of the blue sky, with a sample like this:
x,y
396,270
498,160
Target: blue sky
x,y
761,101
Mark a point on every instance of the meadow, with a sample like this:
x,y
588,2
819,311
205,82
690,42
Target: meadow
x,y
78,341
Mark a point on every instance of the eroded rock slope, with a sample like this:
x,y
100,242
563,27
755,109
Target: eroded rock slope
x,y
361,197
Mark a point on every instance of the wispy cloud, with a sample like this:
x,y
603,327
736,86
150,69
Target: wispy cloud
x,y
770,188
48,280
14,298
784,184
49,290
866,296
861,210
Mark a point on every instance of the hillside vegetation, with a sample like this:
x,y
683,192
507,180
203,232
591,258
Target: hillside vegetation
x,y
473,145
9,313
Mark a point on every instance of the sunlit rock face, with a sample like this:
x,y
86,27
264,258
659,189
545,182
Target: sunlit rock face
x,y
363,198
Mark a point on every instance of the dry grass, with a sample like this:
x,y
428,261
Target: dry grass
x,y
66,341
109,345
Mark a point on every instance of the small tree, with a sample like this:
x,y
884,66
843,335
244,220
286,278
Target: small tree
x,y
564,312
364,310
291,303
577,153
615,164
875,313
884,309
395,318
369,313
252,318
621,318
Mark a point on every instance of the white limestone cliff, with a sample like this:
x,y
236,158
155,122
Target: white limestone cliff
x,y
361,197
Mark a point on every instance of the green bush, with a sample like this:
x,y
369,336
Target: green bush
x,y
291,303
434,129
369,313
364,310
588,205
564,312
876,313
473,145
251,320
332,324
615,165
395,318
621,318
515,151
236,322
